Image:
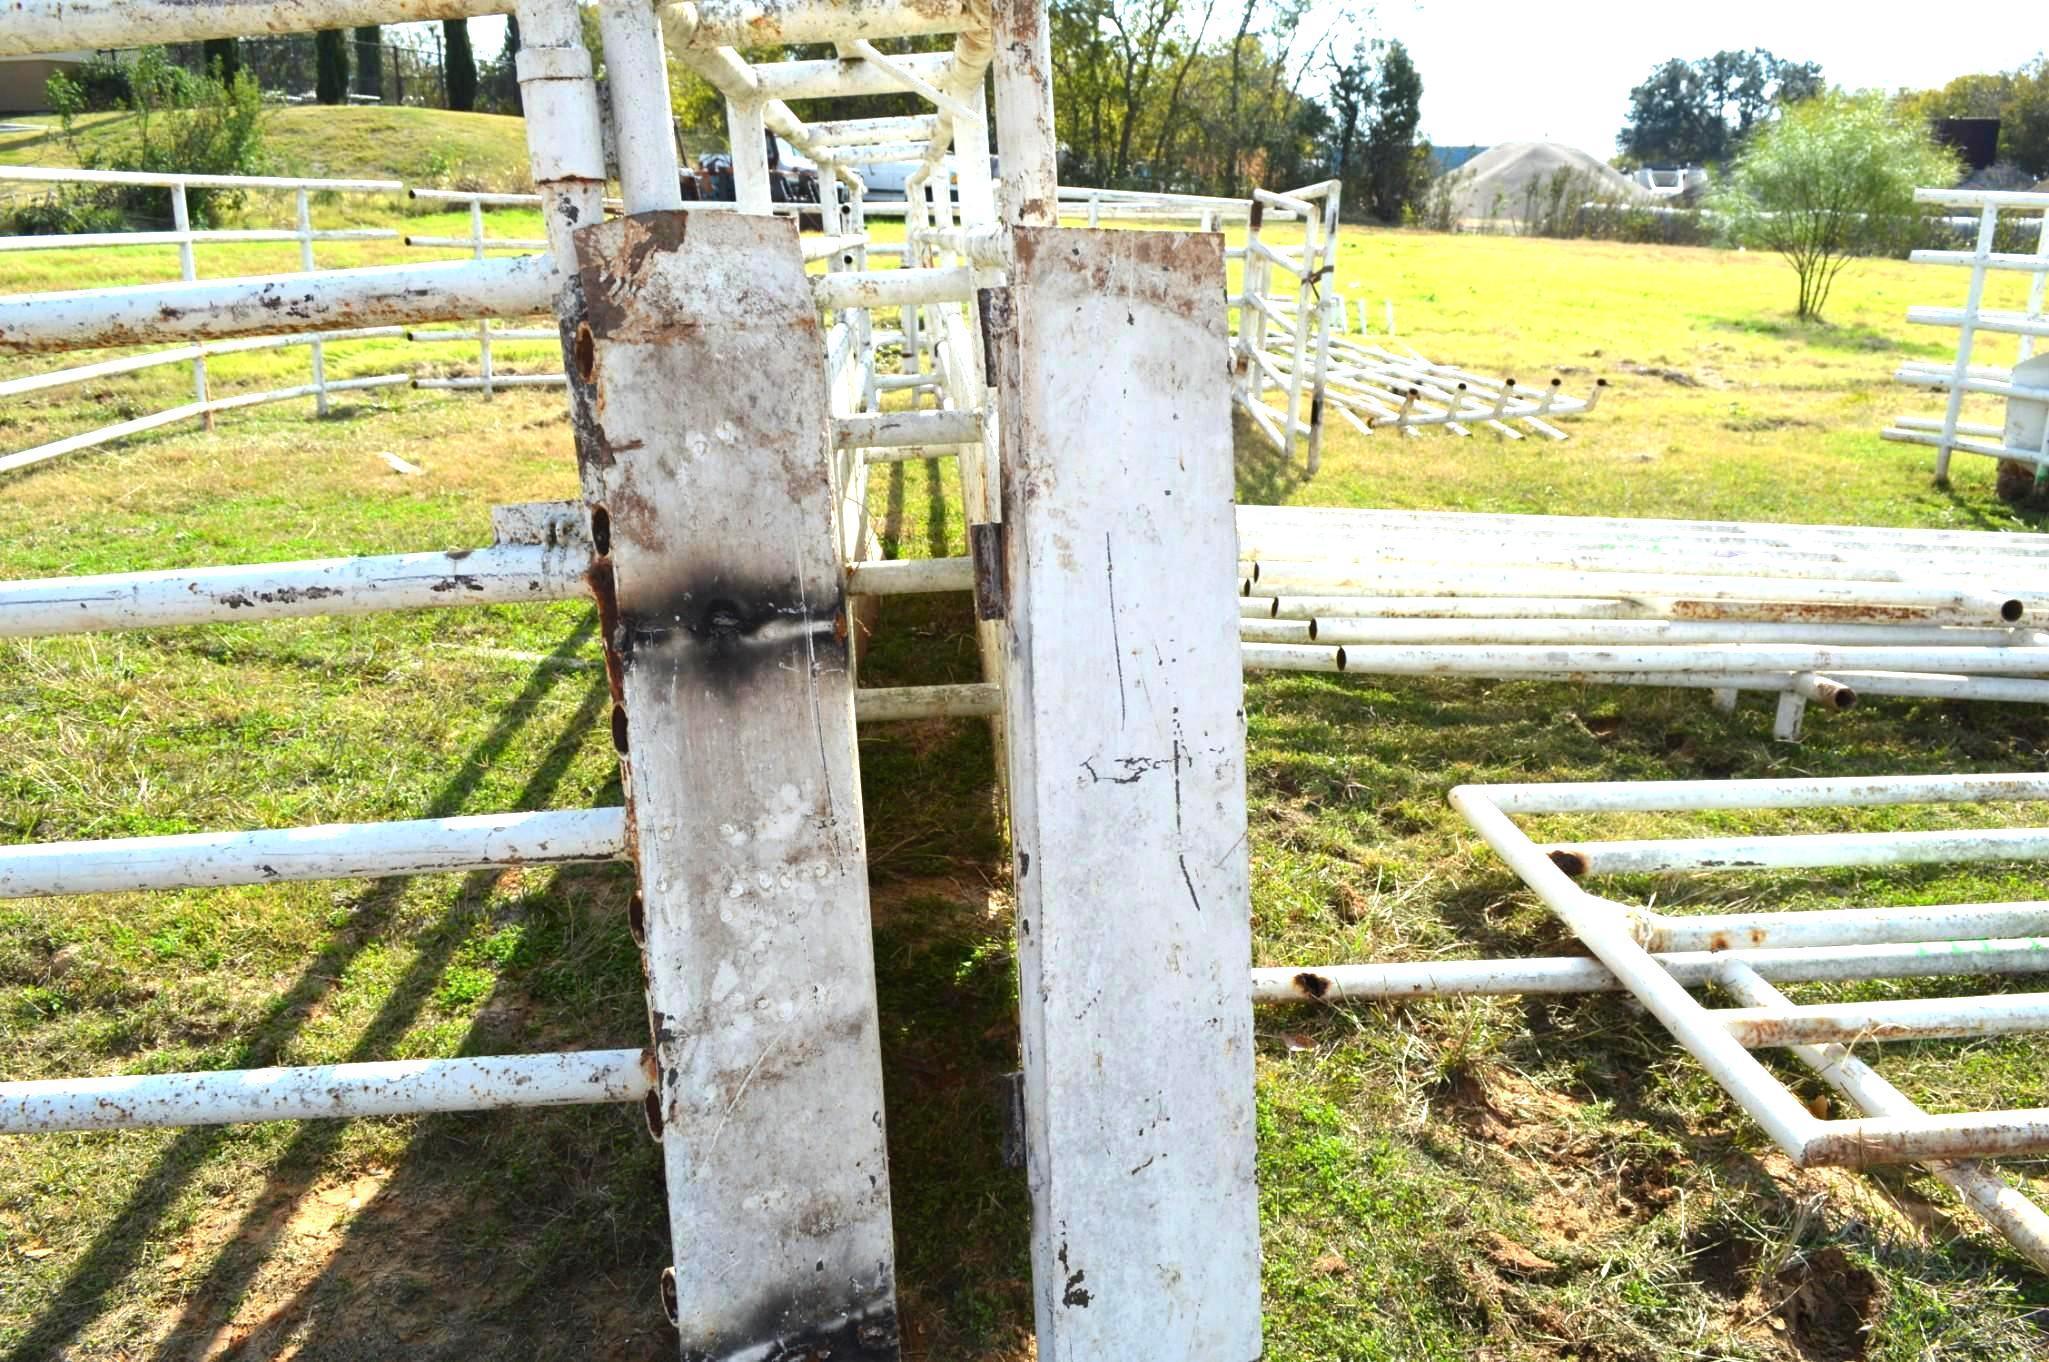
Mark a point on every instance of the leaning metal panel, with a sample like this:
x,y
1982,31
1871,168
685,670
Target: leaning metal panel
x,y
1621,938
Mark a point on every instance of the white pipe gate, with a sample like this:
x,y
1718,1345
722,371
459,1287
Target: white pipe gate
x,y
2024,438
721,537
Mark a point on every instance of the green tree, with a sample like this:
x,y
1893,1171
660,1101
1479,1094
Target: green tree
x,y
1701,112
1832,179
2019,99
1391,138
222,58
331,66
370,61
460,65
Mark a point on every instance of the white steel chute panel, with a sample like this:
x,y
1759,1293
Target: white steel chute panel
x,y
1127,778
705,433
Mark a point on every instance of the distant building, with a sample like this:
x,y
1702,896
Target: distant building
x,y
1669,182
22,79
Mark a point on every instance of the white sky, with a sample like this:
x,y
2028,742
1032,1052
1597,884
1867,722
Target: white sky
x,y
1495,71
1562,71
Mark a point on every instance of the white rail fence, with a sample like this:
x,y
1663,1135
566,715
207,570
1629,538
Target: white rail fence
x,y
2024,437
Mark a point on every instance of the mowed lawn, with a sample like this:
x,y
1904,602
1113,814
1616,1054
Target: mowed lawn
x,y
1507,1179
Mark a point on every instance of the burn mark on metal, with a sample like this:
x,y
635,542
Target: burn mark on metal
x,y
1571,862
726,631
872,1336
1311,984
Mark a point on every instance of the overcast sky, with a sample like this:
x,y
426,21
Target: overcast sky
x,y
1562,71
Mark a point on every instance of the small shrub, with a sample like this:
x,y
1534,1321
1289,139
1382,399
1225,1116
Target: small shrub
x,y
184,124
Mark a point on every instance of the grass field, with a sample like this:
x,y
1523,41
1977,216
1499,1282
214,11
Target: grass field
x,y
1479,1179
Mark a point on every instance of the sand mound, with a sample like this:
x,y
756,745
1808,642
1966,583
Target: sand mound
x,y
1500,182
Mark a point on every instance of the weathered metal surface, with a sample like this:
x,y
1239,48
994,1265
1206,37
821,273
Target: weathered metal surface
x,y
1126,741
1024,114
410,1087
501,575
328,851
759,23
724,620
31,26
459,290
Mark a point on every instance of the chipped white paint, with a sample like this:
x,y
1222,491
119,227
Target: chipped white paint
x,y
741,775
1126,740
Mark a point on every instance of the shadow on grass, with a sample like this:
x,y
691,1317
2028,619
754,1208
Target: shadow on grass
x,y
118,1250
1825,335
1266,476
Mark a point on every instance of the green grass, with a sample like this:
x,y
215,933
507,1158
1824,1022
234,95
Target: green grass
x,y
429,148
1508,1179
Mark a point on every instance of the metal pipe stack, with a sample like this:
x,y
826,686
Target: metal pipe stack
x,y
1807,612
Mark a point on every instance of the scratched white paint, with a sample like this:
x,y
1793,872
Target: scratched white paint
x,y
1126,740
742,780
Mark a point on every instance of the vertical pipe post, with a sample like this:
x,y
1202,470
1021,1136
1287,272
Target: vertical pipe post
x,y
188,269
1124,711
1323,265
564,146
1024,114
750,156
483,324
720,584
2037,288
317,350
1967,333
637,74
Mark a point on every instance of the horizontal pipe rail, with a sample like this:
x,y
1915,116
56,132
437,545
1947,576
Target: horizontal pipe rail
x,y
885,288
1800,851
412,1087
506,574
906,429
1802,792
441,291
328,851
1694,969
909,576
1845,926
1779,1025
37,26
173,179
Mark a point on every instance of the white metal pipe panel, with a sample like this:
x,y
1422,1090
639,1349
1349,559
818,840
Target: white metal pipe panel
x,y
501,575
36,26
2012,1213
329,851
1605,929
407,1087
1353,631
460,290
1126,757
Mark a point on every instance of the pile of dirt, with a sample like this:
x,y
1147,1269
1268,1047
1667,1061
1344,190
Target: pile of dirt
x,y
1502,180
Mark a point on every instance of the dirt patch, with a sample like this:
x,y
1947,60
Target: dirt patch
x,y
1724,1262
1676,377
1829,1306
